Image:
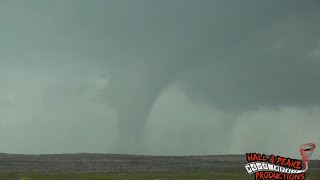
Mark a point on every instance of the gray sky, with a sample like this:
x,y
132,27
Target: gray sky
x,y
201,77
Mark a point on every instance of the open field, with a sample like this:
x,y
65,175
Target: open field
x,y
113,166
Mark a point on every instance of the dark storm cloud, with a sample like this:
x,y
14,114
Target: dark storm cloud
x,y
152,42
236,56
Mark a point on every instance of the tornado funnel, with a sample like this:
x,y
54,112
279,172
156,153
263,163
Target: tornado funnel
x,y
306,151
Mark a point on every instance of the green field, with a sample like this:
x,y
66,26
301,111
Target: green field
x,y
90,166
193,174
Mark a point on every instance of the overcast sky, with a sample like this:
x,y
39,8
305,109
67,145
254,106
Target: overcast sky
x,y
208,77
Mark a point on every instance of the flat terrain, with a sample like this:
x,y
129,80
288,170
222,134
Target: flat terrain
x,y
114,166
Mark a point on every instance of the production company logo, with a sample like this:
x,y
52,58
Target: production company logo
x,y
278,167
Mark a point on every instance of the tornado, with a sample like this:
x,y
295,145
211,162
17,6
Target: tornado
x,y
133,103
132,94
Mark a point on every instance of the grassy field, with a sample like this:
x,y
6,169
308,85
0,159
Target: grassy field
x,y
85,166
185,175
